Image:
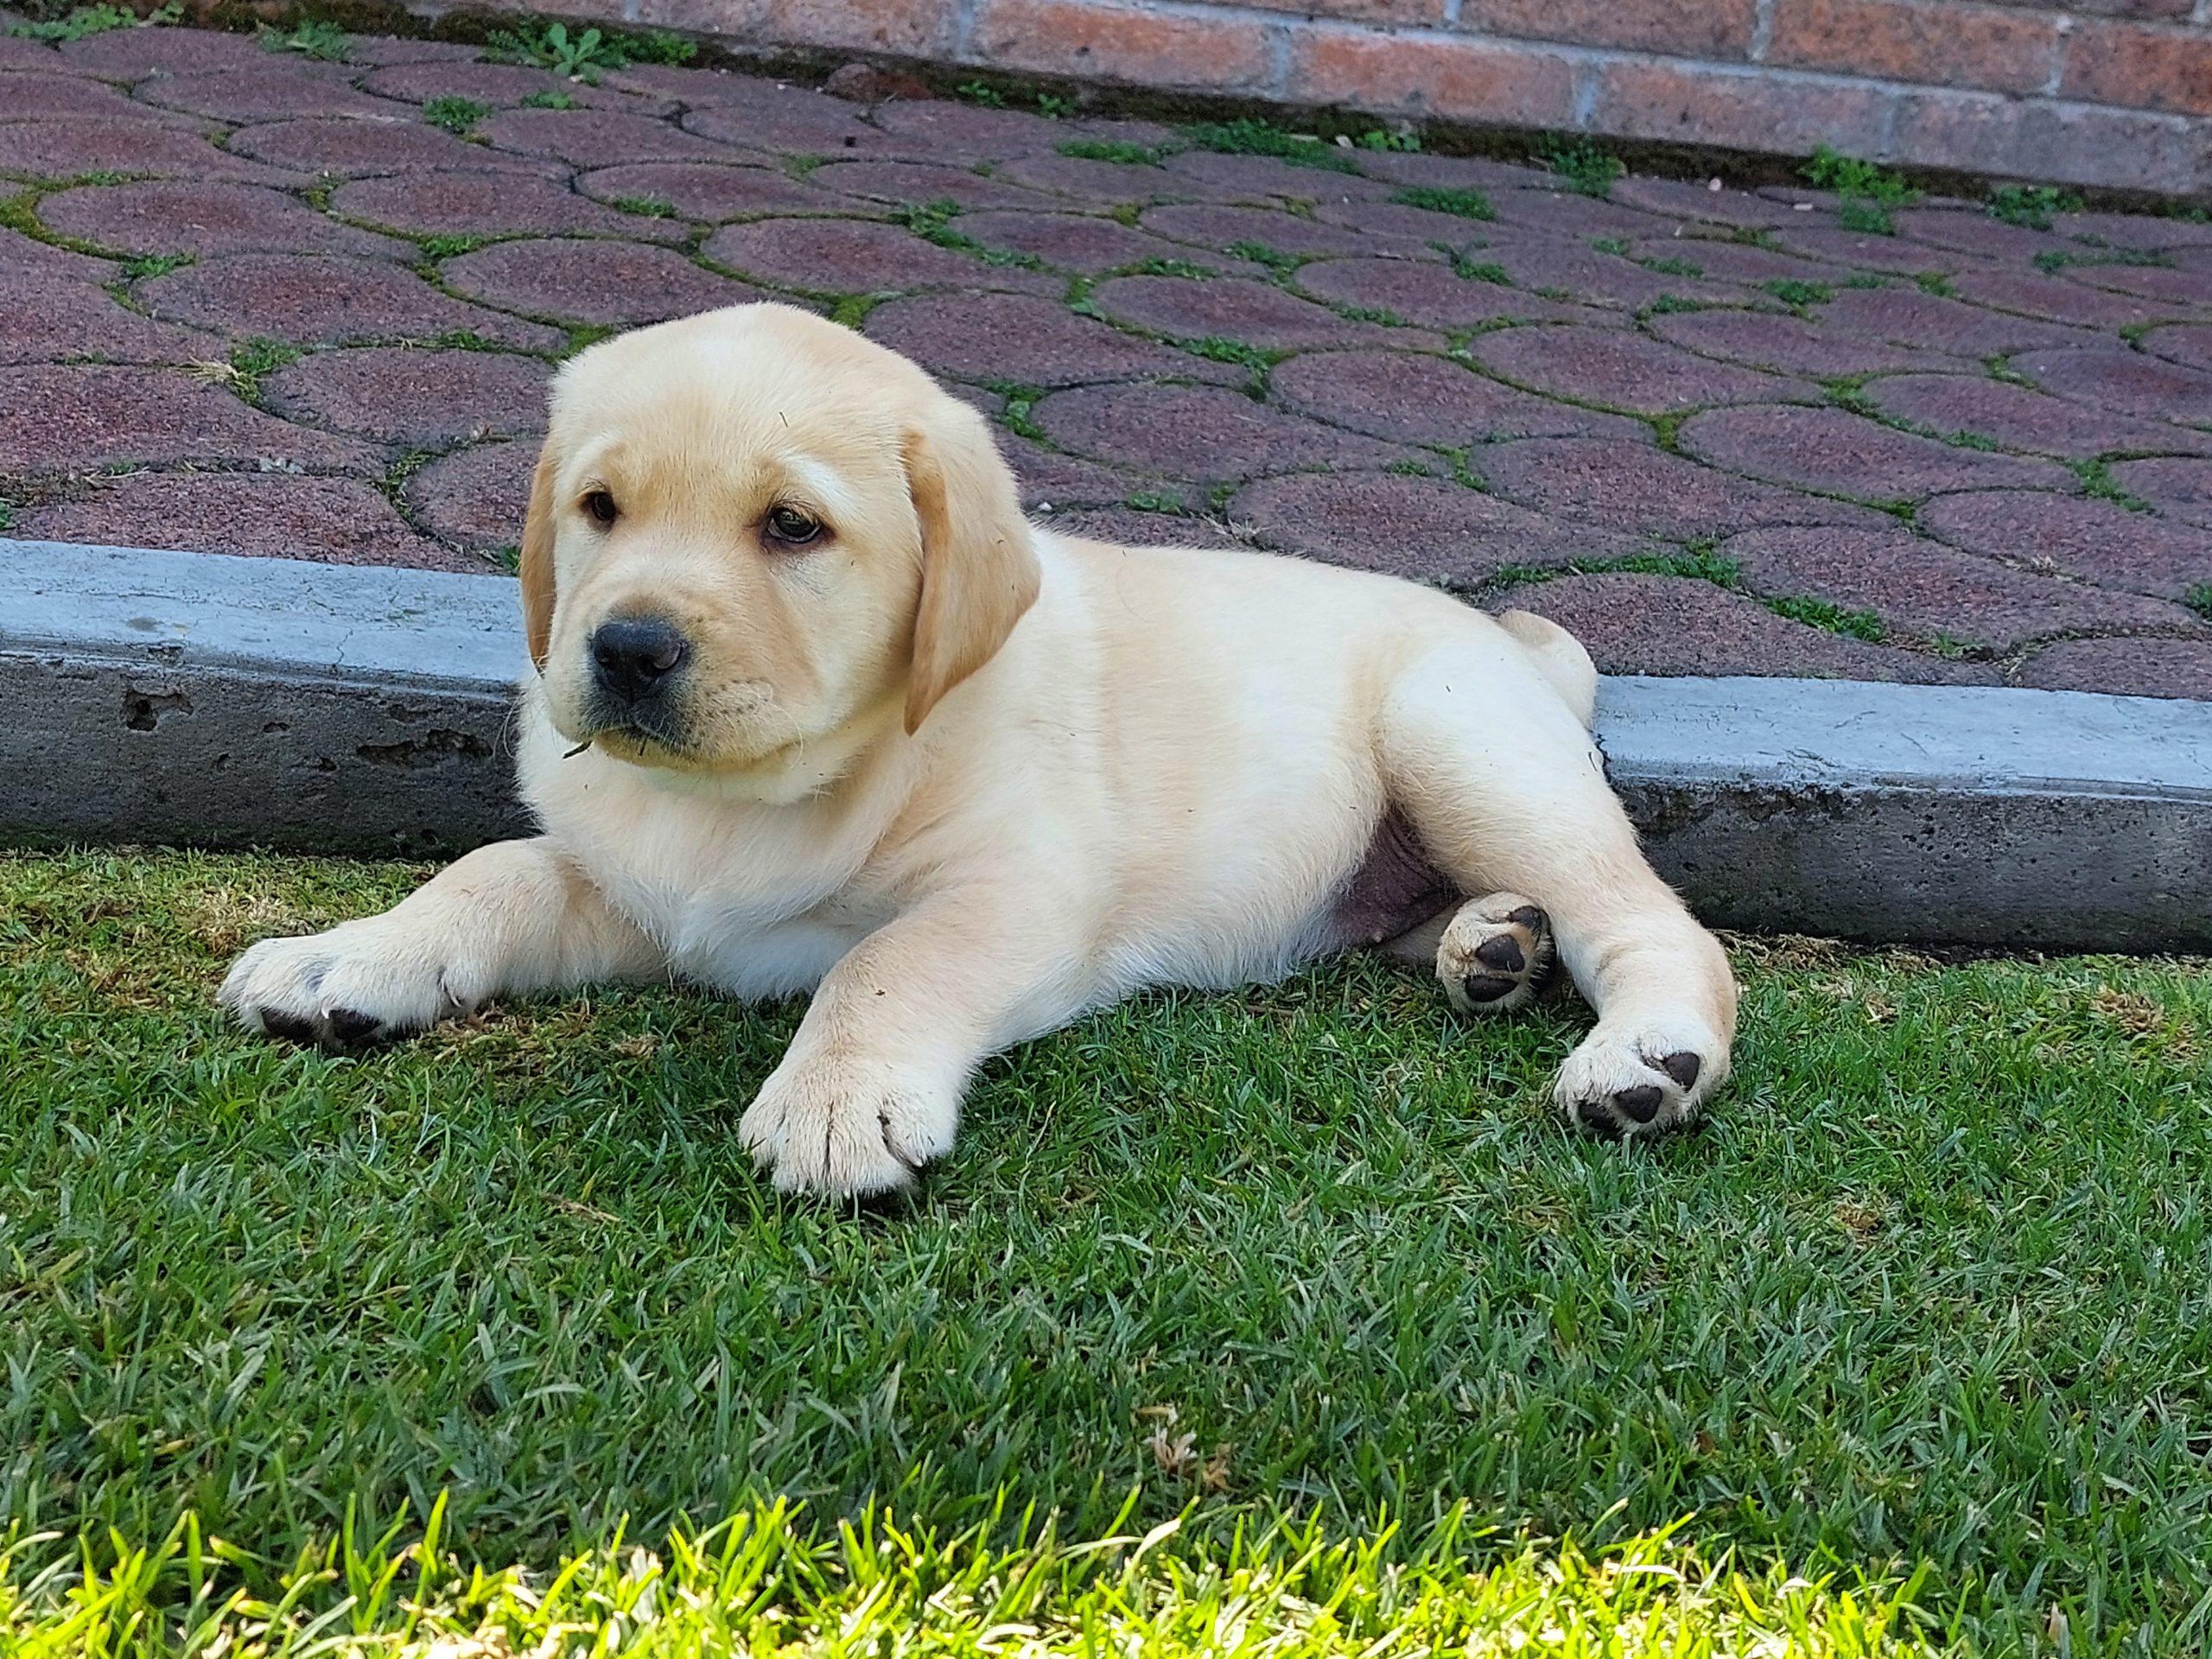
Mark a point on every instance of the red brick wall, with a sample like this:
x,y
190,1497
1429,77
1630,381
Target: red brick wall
x,y
2114,93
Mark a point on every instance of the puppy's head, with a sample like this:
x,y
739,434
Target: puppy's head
x,y
752,528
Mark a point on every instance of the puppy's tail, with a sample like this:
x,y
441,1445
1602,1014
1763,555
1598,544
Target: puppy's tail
x,y
1559,656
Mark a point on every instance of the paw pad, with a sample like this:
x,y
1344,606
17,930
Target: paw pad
x,y
1496,955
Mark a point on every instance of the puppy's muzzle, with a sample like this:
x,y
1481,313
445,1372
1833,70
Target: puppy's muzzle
x,y
635,659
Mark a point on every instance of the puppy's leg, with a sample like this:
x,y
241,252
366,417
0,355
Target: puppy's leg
x,y
1510,796
505,919
870,1088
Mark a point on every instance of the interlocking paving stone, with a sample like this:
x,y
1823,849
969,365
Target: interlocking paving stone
x,y
25,97
1050,480
1976,232
1737,262
1623,370
1695,203
1077,242
1209,224
711,191
2177,289
1254,313
1929,322
166,149
1083,181
134,53
45,319
493,204
1026,340
363,148
1559,213
585,137
2054,299
1788,344
181,216
1128,527
1675,625
475,498
916,184
591,282
1830,450
1200,432
20,257
2114,378
2099,542
810,194
500,85
406,395
1646,492
71,420
2187,343
1401,169
1260,178
795,123
1399,227
1421,398
936,127
2016,418
336,520
840,255
1425,529
275,90
2132,668
1429,295
1862,251
2179,487
1922,588
313,301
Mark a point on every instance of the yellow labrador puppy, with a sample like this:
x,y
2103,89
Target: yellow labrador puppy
x,y
816,708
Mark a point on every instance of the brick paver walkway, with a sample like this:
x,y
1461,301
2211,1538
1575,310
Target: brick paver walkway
x,y
258,304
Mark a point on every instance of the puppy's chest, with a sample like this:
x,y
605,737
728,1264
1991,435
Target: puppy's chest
x,y
751,920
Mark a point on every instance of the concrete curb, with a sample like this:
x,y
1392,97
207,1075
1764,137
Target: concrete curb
x,y
190,697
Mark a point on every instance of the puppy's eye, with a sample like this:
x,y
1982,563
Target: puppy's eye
x,y
793,527
600,506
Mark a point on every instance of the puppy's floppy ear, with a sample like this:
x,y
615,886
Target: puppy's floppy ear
x,y
979,572
536,566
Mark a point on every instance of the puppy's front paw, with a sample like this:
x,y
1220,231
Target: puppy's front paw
x,y
1496,954
848,1128
357,984
1635,1080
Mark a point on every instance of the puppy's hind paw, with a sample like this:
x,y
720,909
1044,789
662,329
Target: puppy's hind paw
x,y
1496,956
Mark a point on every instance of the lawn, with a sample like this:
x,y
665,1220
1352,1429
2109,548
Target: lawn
x,y
1278,1323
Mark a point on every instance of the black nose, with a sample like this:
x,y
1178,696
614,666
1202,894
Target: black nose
x,y
634,654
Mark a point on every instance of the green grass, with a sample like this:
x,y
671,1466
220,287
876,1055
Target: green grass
x,y
312,37
549,98
84,22
1868,194
2199,599
2050,261
1246,137
156,264
1834,619
1116,150
643,206
1302,1294
1583,168
1261,254
454,114
1792,291
252,361
1466,204
587,55
2099,485
1672,267
2031,206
